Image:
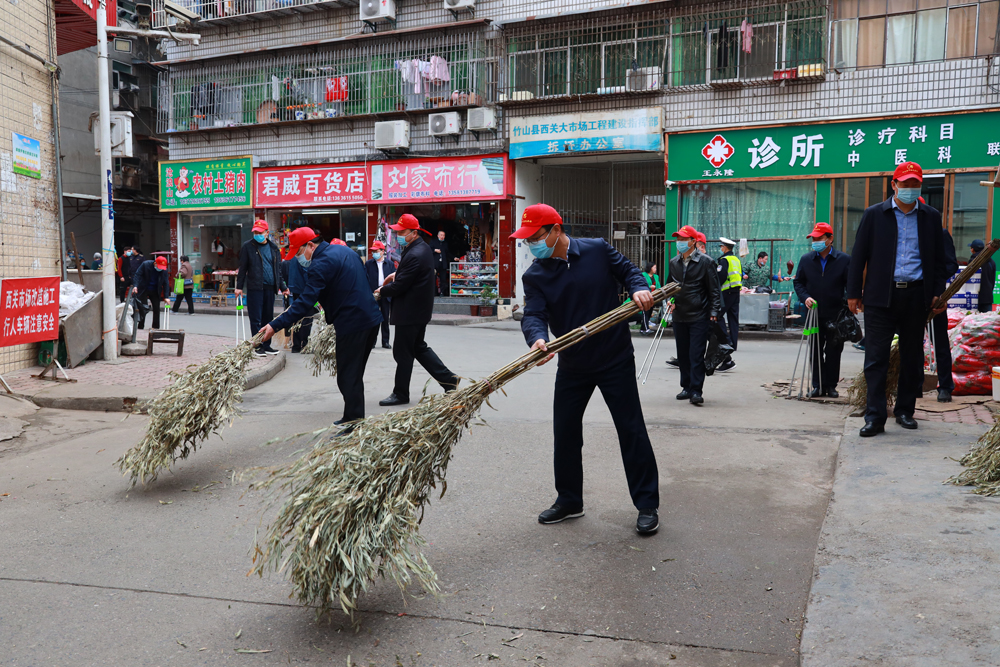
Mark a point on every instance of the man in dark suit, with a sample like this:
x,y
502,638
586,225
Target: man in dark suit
x,y
378,268
411,288
988,278
442,262
897,273
338,283
820,283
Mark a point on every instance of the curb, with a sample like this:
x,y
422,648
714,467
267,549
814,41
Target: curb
x,y
463,320
788,334
134,404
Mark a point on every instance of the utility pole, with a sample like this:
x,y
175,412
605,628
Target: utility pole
x,y
109,324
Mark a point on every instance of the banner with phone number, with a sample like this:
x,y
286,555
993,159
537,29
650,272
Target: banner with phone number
x,y
29,310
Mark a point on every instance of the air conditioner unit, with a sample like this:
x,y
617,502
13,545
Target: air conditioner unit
x,y
392,134
444,124
121,133
482,118
644,78
378,10
455,5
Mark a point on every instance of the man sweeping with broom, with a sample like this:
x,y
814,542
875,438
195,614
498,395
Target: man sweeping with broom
x,y
571,282
338,282
898,271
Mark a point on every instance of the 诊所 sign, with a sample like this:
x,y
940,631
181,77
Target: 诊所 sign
x,y
27,155
952,141
29,310
282,187
626,130
440,179
222,183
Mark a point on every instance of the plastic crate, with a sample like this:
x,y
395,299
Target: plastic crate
x,y
776,319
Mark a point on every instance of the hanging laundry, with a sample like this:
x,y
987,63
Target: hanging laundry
x,y
336,89
746,32
721,50
439,71
275,88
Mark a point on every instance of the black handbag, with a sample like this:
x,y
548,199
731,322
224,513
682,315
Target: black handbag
x,y
845,327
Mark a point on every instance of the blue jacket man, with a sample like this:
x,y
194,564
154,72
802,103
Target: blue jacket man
x,y
338,283
821,282
295,272
898,269
571,282
378,268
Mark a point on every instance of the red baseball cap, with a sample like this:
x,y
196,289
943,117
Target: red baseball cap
x,y
298,238
687,231
908,170
378,245
259,226
407,222
534,218
821,229
161,263
337,241
701,238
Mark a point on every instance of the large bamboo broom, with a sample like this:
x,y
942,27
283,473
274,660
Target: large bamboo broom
x,y
858,393
982,464
353,503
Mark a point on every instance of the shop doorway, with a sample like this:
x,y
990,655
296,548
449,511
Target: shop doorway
x,y
346,224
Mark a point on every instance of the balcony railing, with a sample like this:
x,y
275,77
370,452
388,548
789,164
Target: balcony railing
x,y
377,77
227,11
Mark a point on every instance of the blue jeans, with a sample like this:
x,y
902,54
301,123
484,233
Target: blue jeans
x,y
260,310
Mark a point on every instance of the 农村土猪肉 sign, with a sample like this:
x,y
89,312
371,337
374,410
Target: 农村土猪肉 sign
x,y
222,183
952,141
592,132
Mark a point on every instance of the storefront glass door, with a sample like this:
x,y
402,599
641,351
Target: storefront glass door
x,y
969,213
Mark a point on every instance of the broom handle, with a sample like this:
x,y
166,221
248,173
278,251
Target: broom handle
x,y
977,263
605,321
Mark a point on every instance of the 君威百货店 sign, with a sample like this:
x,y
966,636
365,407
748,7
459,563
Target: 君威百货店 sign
x,y
290,187
591,132
939,142
29,310
221,183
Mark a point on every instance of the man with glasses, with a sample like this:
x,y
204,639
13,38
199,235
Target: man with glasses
x,y
571,282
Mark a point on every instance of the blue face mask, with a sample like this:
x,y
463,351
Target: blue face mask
x,y
908,195
819,246
402,240
303,262
260,238
540,248
376,256
683,246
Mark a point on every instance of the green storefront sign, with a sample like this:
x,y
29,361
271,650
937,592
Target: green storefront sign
x,y
952,141
222,183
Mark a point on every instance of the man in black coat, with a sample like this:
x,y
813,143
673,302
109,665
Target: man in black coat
x,y
260,275
150,285
898,271
378,268
988,278
442,262
694,309
820,283
411,288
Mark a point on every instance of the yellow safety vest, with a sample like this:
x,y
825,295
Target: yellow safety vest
x,y
735,276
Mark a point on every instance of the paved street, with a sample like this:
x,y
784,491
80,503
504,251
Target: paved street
x,y
95,575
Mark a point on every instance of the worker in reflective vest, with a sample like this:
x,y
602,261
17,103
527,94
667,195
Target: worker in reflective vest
x,y
731,279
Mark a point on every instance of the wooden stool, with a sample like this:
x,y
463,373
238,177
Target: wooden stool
x,y
162,336
220,298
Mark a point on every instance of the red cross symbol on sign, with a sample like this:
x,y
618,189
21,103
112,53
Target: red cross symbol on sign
x,y
718,150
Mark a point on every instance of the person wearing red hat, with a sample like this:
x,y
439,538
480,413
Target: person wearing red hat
x,y
821,282
260,275
377,268
694,310
295,273
411,289
337,281
898,271
150,285
571,282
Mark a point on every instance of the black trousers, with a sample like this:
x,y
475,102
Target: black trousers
x,y
731,311
621,394
383,305
410,346
691,338
353,351
906,315
826,364
443,275
187,295
260,310
301,335
143,298
942,352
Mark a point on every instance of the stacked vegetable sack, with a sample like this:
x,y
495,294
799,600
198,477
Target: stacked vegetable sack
x,y
975,349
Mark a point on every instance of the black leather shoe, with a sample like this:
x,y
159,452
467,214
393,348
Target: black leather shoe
x,y
872,428
558,513
944,395
684,395
726,365
696,398
814,393
906,421
833,393
392,399
674,363
647,523
386,346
